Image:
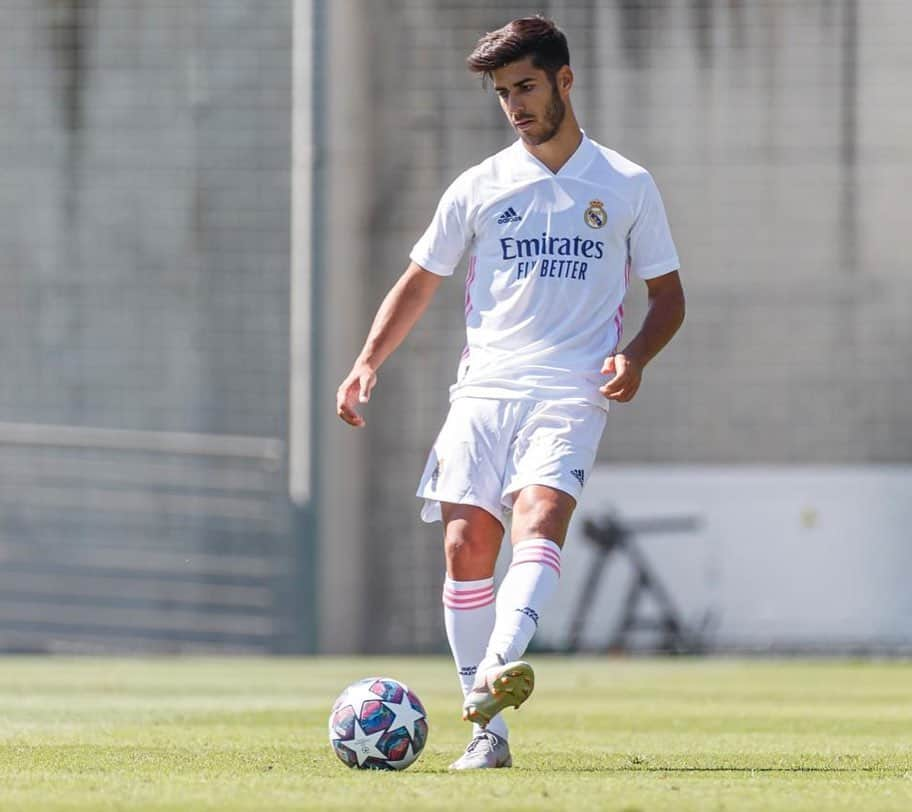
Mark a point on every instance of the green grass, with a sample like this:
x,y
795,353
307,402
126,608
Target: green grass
x,y
105,734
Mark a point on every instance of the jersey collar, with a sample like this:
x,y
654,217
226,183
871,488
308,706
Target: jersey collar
x,y
574,166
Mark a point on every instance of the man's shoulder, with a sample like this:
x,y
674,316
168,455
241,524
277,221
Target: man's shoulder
x,y
613,162
477,181
501,162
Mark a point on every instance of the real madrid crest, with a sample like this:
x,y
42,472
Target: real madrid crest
x,y
595,215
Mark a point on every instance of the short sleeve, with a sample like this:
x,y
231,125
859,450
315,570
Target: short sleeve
x,y
444,242
651,248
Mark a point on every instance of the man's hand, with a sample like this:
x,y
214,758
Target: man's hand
x,y
627,376
356,388
398,312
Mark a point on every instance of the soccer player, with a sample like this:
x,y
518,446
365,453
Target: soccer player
x,y
554,224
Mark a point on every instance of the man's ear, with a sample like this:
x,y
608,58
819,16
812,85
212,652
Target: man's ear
x,y
565,79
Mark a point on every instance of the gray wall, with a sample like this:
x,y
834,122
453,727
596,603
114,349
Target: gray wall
x,y
145,211
778,133
144,257
144,283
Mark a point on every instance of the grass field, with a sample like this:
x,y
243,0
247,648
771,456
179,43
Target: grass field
x,y
611,734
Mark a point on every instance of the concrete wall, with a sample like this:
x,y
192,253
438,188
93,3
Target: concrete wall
x,y
144,276
144,214
145,192
777,132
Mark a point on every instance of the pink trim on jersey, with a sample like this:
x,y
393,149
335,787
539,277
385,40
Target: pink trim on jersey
x,y
537,554
470,278
468,598
619,315
618,327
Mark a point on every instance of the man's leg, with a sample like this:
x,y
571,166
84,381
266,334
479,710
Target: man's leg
x,y
471,544
541,516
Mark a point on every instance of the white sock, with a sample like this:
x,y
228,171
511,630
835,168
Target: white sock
x,y
528,585
468,614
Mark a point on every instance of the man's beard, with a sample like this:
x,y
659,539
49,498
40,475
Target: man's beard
x,y
554,117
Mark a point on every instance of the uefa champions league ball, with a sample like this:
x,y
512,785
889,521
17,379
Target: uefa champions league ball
x,y
378,724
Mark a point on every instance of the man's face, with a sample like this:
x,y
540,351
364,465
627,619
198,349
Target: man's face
x,y
530,100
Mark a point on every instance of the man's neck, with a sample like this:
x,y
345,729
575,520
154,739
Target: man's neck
x,y
555,152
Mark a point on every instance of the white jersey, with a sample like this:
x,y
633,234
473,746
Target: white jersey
x,y
551,257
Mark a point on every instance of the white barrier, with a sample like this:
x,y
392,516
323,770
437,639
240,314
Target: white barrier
x,y
788,558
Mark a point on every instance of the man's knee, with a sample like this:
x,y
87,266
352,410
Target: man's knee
x,y
542,512
471,543
463,547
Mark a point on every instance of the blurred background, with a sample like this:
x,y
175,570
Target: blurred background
x,y
203,202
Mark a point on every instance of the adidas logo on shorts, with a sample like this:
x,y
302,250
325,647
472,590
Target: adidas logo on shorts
x,y
509,216
579,474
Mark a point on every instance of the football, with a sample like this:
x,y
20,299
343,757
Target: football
x,y
378,724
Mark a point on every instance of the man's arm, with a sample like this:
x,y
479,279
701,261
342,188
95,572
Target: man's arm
x,y
398,313
664,315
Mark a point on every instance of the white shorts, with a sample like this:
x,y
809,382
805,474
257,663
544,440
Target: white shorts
x,y
488,450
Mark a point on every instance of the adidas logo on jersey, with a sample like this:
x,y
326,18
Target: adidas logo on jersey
x,y
579,474
509,216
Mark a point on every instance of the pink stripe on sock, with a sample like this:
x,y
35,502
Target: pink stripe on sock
x,y
536,555
458,600
475,603
465,593
536,545
546,557
544,562
553,566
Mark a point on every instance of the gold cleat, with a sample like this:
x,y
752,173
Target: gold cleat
x,y
503,685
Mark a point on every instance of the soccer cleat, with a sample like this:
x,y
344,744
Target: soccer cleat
x,y
485,751
502,685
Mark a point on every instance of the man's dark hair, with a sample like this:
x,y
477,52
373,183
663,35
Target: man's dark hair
x,y
536,37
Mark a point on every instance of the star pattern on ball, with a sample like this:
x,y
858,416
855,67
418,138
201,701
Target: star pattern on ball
x,y
406,715
377,723
364,746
